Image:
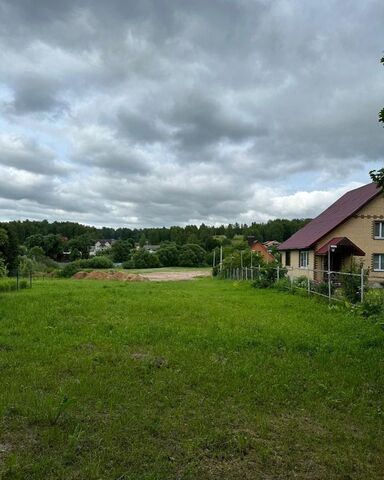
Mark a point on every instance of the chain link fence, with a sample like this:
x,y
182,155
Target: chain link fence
x,y
16,280
338,286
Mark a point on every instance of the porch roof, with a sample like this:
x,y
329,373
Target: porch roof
x,y
341,242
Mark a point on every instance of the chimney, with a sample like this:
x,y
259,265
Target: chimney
x,y
251,240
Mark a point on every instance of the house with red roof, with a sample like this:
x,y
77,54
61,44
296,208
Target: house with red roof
x,y
261,249
350,229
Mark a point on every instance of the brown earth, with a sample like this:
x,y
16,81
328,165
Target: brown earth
x,y
134,277
176,276
119,276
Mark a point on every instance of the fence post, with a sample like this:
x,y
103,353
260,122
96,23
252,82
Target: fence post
x,y
309,284
362,285
278,273
329,285
259,271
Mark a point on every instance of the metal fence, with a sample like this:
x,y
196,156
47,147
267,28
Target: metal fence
x,y
329,284
20,280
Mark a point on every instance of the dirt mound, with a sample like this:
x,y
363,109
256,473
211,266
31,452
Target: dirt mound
x,y
119,276
80,275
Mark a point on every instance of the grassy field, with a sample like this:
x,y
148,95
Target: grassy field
x,y
204,379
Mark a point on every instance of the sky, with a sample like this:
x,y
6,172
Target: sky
x,y
174,112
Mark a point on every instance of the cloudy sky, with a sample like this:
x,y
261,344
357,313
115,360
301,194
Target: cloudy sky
x,y
164,112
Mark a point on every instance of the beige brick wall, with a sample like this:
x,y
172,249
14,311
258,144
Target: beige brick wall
x,y
294,270
359,230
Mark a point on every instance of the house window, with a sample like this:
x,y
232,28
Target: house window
x,y
378,262
379,230
304,259
287,259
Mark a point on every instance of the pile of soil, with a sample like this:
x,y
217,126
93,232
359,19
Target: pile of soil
x,y
119,276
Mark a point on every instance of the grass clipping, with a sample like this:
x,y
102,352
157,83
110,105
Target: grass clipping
x,y
119,276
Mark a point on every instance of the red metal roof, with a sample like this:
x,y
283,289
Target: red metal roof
x,y
341,242
333,216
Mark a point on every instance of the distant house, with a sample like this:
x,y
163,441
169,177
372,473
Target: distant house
x,y
101,246
260,248
351,228
149,248
271,243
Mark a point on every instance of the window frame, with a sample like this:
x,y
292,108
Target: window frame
x,y
305,254
381,230
380,262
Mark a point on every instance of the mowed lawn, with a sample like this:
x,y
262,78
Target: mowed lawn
x,y
201,379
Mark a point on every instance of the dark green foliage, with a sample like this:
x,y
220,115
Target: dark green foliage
x,y
192,255
82,243
377,176
96,262
351,284
373,304
279,229
322,288
69,269
121,250
168,255
267,276
143,259
128,264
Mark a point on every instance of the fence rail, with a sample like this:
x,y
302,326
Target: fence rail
x,y
324,283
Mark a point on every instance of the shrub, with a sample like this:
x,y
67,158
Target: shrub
x,y
169,255
300,282
70,269
128,264
144,259
282,285
268,276
322,288
7,285
373,304
351,284
192,255
23,283
97,262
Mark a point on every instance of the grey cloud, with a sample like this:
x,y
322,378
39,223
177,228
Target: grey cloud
x,y
27,154
170,110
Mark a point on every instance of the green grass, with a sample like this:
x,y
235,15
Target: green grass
x,y
204,379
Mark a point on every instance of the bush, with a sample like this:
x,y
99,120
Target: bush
x,y
128,264
7,285
23,283
351,284
322,288
97,262
192,255
268,276
169,255
70,269
373,304
144,259
301,282
282,285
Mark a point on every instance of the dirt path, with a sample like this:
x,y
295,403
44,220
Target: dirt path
x,y
176,276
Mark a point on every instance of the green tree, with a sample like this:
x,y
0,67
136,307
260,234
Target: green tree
x,y
169,255
121,250
143,259
192,255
